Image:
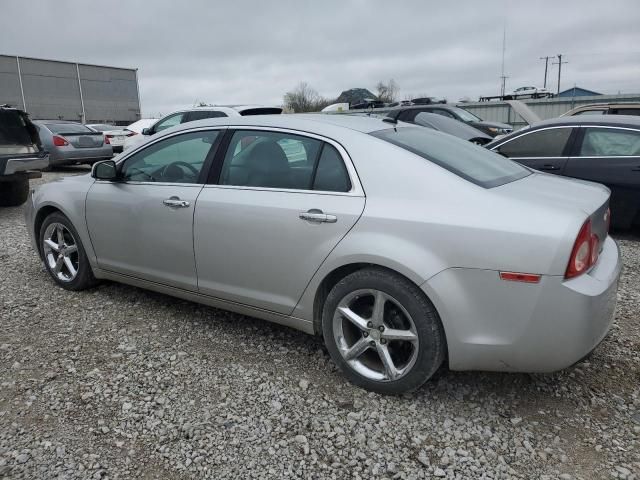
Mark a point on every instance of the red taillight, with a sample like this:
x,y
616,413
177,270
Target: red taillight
x,y
582,256
109,136
106,140
59,141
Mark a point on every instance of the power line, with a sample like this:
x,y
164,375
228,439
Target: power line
x,y
559,63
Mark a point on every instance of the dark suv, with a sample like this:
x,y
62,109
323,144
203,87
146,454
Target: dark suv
x,y
408,114
21,154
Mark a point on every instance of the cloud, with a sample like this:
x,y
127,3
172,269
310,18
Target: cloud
x,y
254,51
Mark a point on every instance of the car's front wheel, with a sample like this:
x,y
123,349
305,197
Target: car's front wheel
x,y
382,331
63,254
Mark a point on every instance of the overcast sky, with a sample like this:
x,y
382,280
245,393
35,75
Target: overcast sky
x,y
253,51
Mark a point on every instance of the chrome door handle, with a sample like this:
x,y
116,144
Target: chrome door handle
x,y
318,216
175,202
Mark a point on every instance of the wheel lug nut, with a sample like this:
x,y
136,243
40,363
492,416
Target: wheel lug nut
x,y
372,343
369,325
365,334
381,328
383,341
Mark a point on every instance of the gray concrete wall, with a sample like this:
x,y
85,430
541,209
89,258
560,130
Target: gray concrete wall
x,y
52,90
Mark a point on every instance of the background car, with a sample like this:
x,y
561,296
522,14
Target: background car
x,y
400,245
200,113
21,155
532,92
115,134
408,114
136,129
599,149
452,127
72,142
605,109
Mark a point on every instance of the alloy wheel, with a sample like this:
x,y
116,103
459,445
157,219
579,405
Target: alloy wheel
x,y
61,252
375,335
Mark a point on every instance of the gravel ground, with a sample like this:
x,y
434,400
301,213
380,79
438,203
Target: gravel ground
x,y
118,382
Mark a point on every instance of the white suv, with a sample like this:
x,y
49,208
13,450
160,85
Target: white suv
x,y
199,113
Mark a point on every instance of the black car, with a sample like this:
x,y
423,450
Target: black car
x,y
21,155
604,149
452,127
408,114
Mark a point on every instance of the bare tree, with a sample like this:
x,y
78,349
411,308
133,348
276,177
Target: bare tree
x,y
387,92
304,98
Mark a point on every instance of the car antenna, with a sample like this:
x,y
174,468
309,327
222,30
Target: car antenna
x,y
393,121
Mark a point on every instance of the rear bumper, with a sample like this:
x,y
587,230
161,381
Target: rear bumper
x,y
61,157
15,165
509,326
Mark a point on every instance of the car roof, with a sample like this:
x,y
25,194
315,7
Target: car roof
x,y
311,122
419,107
607,120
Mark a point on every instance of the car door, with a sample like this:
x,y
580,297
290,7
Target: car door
x,y
142,225
545,149
280,203
610,155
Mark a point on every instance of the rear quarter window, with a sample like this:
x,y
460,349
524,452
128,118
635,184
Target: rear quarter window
x,y
471,162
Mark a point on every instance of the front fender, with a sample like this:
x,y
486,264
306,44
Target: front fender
x,y
67,196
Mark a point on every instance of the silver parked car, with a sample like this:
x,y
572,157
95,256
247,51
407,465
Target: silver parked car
x,y
72,142
400,245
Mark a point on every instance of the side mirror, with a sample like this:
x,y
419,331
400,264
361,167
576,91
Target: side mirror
x,y
105,170
147,131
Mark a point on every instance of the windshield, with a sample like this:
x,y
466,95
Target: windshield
x,y
471,162
67,128
466,116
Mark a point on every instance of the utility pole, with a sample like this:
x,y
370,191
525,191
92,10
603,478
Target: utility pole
x,y
546,68
503,77
559,63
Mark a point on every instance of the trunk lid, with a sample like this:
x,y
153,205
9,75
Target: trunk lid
x,y
84,140
563,193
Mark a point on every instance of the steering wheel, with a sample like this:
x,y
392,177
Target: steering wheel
x,y
180,163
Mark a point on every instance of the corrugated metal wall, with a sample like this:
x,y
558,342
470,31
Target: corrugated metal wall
x,y
544,108
52,91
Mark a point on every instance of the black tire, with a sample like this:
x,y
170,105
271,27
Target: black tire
x,y
432,343
84,278
14,193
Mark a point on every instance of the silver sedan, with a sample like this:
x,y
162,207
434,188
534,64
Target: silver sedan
x,y
402,246
72,142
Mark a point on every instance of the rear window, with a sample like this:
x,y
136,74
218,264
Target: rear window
x,y
14,129
471,162
67,128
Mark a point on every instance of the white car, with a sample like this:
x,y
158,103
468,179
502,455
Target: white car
x,y
200,113
112,134
533,92
135,129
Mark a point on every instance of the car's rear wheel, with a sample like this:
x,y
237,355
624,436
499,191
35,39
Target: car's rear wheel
x,y
382,331
14,193
63,254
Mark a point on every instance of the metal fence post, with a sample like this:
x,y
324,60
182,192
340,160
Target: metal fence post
x,y
24,105
84,116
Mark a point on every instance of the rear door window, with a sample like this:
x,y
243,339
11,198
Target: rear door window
x,y
202,114
550,142
609,142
